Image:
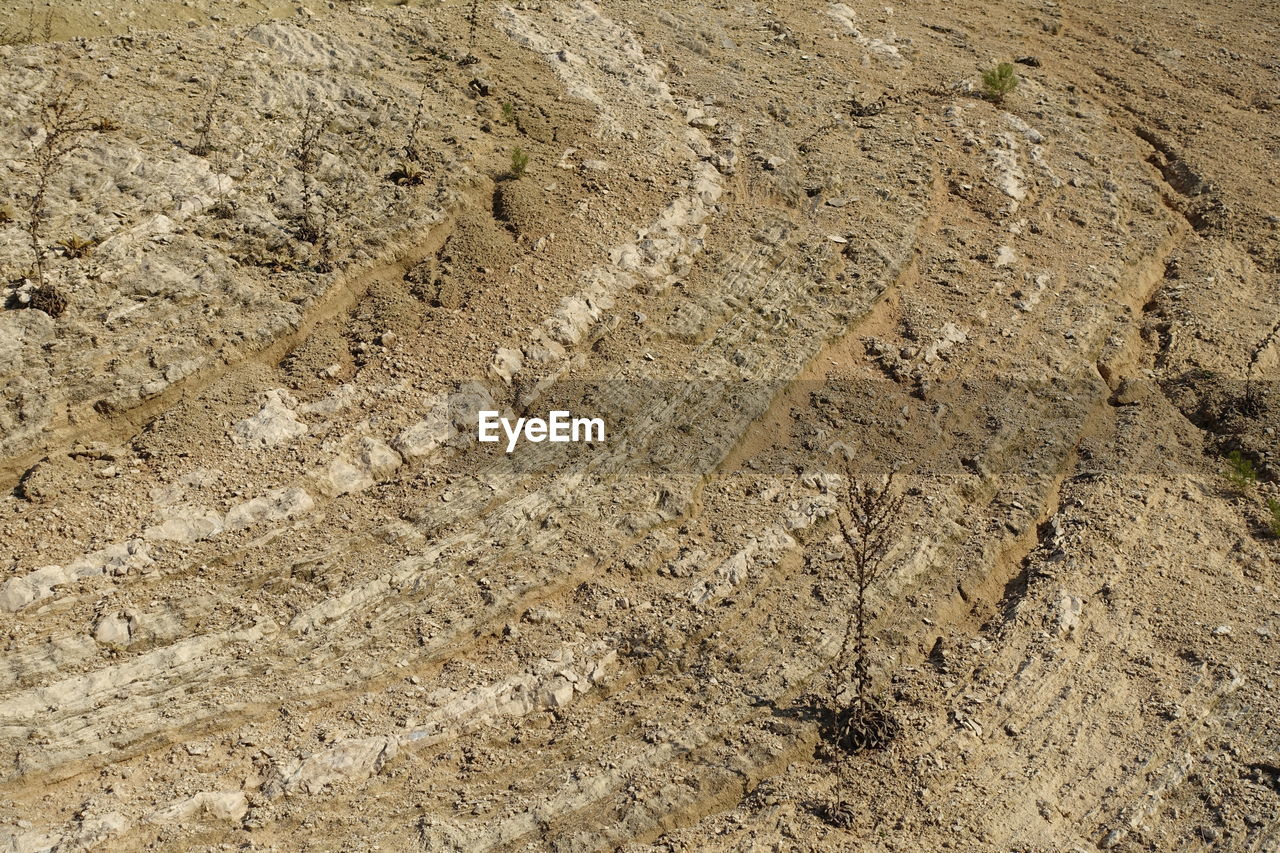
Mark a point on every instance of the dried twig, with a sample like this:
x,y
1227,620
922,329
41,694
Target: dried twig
x,y
411,152
306,158
64,123
16,35
205,145
1252,403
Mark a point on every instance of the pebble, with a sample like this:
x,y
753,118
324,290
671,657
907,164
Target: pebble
x,y
1111,839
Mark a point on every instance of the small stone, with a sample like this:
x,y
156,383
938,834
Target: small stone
x,y
542,616
1069,609
16,594
558,693
1111,839
112,630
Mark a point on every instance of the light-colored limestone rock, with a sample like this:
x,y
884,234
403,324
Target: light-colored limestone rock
x,y
218,805
275,423
112,630
277,505
372,462
185,524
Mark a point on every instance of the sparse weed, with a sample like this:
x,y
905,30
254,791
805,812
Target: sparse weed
x,y
999,82
1240,472
48,299
411,152
64,122
105,125
1273,522
509,112
205,144
473,22
76,246
519,163
1252,403
311,226
36,28
408,174
868,522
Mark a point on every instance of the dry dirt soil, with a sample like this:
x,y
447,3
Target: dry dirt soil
x,y
263,263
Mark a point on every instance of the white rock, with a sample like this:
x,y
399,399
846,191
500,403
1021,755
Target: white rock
x,y
427,435
112,630
118,559
353,759
374,462
572,320
185,524
220,805
506,363
276,422
16,594
342,477
273,506
45,578
1069,609
557,693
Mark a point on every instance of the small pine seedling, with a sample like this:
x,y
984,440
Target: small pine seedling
x,y
999,82
1240,472
519,162
509,112
1273,523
